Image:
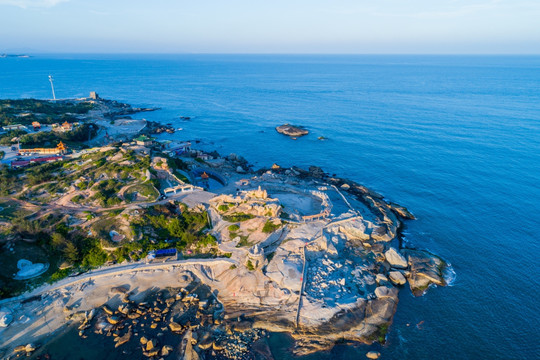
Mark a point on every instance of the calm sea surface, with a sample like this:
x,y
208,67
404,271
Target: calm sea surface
x,y
456,139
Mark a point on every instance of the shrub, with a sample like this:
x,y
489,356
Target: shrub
x,y
59,275
269,227
234,227
94,258
238,217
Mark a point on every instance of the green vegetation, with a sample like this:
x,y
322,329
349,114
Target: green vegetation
x,y
48,240
2,154
238,217
380,334
269,227
25,111
250,266
176,163
243,241
225,207
145,189
234,227
81,240
106,193
59,275
102,174
10,209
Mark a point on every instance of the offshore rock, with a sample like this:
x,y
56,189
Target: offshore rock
x,y
425,269
291,130
373,355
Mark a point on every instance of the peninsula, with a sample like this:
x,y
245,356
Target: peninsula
x,y
161,249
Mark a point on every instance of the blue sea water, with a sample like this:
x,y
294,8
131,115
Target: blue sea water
x,y
456,139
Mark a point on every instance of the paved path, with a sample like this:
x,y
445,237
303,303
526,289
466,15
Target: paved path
x,y
304,271
115,270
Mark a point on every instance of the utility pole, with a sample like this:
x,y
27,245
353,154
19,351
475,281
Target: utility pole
x,y
52,87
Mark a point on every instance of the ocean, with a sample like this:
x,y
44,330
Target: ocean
x,y
456,139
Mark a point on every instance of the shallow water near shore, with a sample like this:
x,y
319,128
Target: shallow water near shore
x,y
456,139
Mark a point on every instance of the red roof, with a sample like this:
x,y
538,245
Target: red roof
x,y
46,159
20,163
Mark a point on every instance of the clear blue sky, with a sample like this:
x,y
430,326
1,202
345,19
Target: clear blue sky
x,y
271,26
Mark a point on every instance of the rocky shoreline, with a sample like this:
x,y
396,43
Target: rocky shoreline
x,y
323,277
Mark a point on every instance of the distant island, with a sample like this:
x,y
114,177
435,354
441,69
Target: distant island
x,y
112,232
14,56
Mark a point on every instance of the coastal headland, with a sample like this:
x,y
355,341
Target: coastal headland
x,y
248,251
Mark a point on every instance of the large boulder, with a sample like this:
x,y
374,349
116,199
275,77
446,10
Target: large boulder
x,y
291,130
175,327
397,277
395,259
425,269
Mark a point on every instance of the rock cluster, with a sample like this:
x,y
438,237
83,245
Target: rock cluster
x,y
196,317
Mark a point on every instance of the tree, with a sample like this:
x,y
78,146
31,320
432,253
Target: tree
x,y
58,241
71,252
94,258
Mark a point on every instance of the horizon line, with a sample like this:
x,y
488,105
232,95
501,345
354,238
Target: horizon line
x,y
23,53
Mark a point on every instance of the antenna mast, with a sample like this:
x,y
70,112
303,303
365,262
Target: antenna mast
x,y
52,87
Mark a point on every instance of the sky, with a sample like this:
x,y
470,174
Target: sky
x,y
271,26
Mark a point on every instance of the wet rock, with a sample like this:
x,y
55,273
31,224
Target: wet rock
x,y
218,345
25,348
151,353
373,355
113,320
107,310
166,350
175,327
19,349
395,259
151,344
169,301
122,339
